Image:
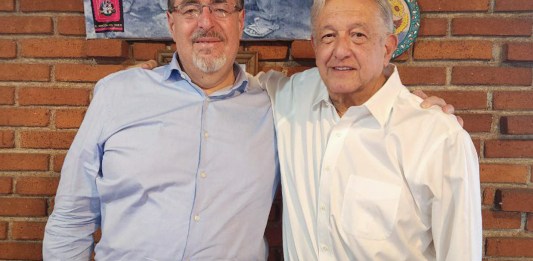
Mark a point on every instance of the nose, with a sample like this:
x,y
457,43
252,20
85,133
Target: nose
x,y
205,19
342,47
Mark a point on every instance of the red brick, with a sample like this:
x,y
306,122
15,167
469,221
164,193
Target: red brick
x,y
513,5
20,251
513,100
6,185
24,117
53,48
457,50
71,25
433,27
107,48
503,173
7,95
515,199
69,118
517,125
27,230
22,161
267,67
21,72
58,162
477,122
519,52
509,148
477,145
422,75
7,5
7,139
272,51
462,100
453,5
46,139
483,75
501,220
147,51
8,49
3,230
36,186
488,196
296,69
19,207
84,73
491,26
54,96
26,25
51,5
509,247
529,224
302,50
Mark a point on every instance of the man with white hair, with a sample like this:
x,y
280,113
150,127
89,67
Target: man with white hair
x,y
367,174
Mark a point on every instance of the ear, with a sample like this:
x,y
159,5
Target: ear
x,y
170,22
242,15
391,42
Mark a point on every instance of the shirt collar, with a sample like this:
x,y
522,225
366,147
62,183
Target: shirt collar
x,y
173,72
380,104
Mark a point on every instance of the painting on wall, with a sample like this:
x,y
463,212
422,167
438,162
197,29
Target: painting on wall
x,y
146,20
265,20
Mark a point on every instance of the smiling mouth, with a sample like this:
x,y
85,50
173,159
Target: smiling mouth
x,y
343,68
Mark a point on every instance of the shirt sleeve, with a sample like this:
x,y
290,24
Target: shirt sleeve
x,y
76,215
456,207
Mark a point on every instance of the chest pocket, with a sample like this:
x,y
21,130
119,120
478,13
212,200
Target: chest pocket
x,y
369,208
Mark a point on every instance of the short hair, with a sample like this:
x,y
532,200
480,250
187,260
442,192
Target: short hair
x,y
170,3
383,7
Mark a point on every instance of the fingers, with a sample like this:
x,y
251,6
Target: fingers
x,y
420,94
149,65
460,120
433,100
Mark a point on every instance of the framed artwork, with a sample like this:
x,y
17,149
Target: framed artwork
x,y
265,20
406,18
246,59
141,19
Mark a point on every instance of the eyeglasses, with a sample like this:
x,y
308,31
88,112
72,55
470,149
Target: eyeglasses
x,y
193,10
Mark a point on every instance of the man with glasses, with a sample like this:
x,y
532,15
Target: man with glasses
x,y
178,163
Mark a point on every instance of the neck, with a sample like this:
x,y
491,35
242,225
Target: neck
x,y
343,101
210,82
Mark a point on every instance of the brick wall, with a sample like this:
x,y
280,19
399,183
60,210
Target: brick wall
x,y
477,54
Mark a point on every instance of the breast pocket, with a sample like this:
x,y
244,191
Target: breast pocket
x,y
369,208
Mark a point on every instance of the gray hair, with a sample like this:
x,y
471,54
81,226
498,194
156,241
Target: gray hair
x,y
383,7
170,3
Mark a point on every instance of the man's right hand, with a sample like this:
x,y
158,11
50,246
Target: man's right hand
x,y
149,65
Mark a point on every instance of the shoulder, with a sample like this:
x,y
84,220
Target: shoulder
x,y
413,121
129,78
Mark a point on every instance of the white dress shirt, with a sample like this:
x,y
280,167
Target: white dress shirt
x,y
387,181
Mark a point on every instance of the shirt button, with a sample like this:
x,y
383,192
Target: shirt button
x,y
206,135
203,175
196,218
325,248
338,135
322,207
326,168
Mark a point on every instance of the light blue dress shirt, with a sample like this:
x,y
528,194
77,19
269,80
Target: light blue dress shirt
x,y
167,172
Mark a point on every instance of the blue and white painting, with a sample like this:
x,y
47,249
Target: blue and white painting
x,y
265,20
